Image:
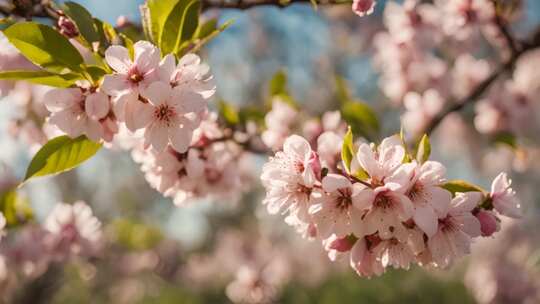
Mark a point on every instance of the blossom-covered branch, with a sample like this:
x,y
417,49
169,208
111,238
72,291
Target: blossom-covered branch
x,y
247,4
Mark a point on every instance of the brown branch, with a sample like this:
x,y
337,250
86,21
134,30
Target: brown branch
x,y
508,65
243,5
502,25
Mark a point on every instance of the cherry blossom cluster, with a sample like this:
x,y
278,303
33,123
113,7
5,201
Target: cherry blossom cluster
x,y
165,98
384,209
213,166
416,71
69,231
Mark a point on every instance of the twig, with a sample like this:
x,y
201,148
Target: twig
x,y
508,65
505,31
243,5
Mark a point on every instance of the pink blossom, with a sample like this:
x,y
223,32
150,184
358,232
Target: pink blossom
x,y
489,224
457,225
467,73
334,210
73,229
380,162
189,74
363,7
289,179
78,111
131,75
430,201
278,123
364,261
504,198
169,116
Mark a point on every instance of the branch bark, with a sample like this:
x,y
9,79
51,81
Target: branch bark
x,y
508,65
244,5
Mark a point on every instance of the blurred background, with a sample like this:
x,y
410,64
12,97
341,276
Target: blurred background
x,y
207,251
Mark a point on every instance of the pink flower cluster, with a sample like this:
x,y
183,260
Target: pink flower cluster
x,y
213,166
70,230
386,211
164,98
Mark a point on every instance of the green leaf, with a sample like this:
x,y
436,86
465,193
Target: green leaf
x,y
229,113
506,138
407,157
203,36
136,235
84,21
347,150
95,72
206,29
180,25
42,77
155,14
128,43
343,93
424,149
361,118
61,154
458,185
278,84
251,113
44,46
15,208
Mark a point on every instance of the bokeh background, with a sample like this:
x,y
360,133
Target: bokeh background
x,y
166,254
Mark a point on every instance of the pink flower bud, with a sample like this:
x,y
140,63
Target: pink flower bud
x,y
315,163
67,27
488,222
363,7
343,244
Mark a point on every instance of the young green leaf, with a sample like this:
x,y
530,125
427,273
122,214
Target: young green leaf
x,y
61,154
204,35
207,28
424,149
457,185
42,77
347,150
15,208
361,118
229,113
84,21
407,157
180,25
44,46
156,13
278,84
343,93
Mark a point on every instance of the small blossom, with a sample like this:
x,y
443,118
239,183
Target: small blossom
x,y
489,224
73,229
504,198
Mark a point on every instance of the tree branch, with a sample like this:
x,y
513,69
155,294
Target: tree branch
x,y
243,5
508,65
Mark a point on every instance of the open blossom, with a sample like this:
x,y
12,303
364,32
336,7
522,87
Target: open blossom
x,y
457,227
131,76
289,178
462,17
504,198
467,73
278,123
73,229
189,74
364,261
363,7
169,116
78,111
333,208
430,201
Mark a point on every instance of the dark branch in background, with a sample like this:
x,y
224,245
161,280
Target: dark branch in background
x,y
502,25
29,9
508,65
243,5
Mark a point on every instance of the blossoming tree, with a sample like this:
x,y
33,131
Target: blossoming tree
x,y
341,179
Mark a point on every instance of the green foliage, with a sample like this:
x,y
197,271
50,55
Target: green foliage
x,y
15,208
424,149
278,84
347,150
251,113
42,77
180,25
84,21
361,118
61,154
359,115
506,138
136,235
228,113
204,34
457,185
44,46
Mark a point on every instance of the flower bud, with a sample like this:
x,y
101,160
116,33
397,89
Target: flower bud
x,y
488,222
67,27
343,244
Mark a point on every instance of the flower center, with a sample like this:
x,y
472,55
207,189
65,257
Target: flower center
x,y
344,201
383,201
415,192
134,75
447,224
164,113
